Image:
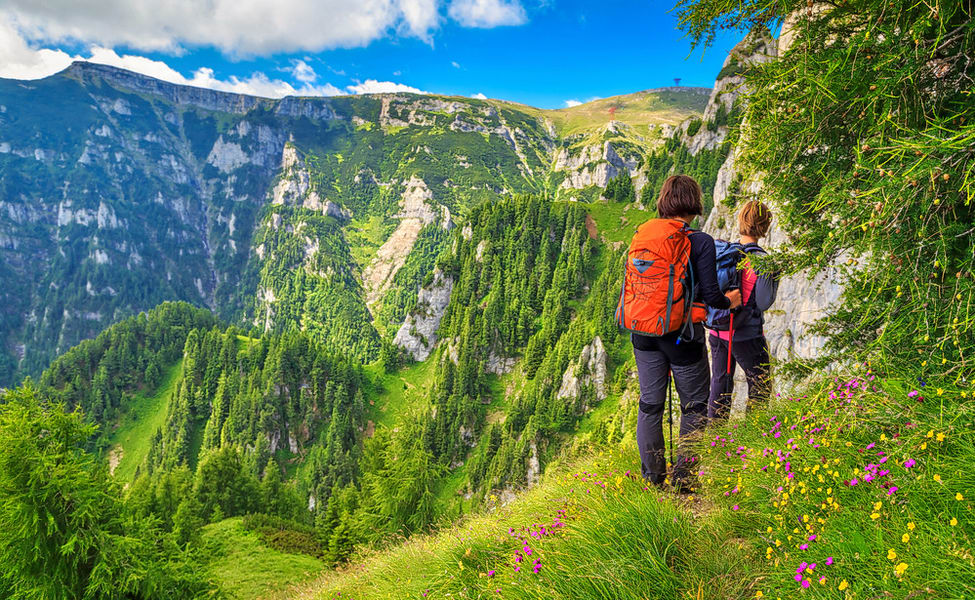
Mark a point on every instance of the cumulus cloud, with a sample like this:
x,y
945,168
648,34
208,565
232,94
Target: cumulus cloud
x,y
302,71
571,103
479,96
236,27
371,86
487,13
20,61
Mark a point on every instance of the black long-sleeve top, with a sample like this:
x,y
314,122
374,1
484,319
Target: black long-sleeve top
x,y
704,267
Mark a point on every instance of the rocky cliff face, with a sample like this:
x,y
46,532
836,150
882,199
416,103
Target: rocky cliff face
x,y
801,300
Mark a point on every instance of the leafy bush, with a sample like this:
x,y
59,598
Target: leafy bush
x,y
693,127
284,535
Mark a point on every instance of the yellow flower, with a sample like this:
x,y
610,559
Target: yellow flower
x,y
930,433
843,585
940,391
900,568
937,478
875,516
759,594
891,555
953,521
905,538
911,525
959,497
877,505
941,436
924,446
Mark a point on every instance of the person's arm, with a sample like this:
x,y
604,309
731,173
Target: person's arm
x,y
704,266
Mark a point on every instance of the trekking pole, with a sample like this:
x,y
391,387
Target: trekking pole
x,y
731,335
670,419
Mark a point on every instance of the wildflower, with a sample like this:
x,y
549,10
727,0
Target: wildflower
x,y
909,463
911,525
891,555
953,521
490,573
843,585
875,516
905,538
759,594
829,561
805,584
937,478
899,569
940,437
959,497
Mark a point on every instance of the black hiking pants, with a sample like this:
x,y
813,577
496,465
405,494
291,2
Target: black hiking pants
x,y
753,356
689,365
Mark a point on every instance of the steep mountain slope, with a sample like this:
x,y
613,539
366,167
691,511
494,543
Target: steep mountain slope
x,y
118,192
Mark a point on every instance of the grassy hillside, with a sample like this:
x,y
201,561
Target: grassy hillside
x,y
667,106
854,490
144,415
246,567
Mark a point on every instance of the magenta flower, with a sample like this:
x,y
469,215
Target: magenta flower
x,y
829,561
909,463
804,547
805,584
490,573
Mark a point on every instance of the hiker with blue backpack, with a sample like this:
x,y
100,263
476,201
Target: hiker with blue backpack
x,y
669,277
738,337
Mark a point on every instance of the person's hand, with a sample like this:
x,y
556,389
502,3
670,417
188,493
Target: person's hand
x,y
735,297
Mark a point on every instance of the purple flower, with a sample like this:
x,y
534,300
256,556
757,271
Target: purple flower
x,y
829,561
490,573
805,583
804,547
909,463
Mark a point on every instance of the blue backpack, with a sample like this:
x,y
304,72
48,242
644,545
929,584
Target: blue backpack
x,y
729,254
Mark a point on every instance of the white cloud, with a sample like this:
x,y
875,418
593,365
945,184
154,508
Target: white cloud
x,y
571,103
371,86
455,64
302,71
479,96
487,13
236,27
19,61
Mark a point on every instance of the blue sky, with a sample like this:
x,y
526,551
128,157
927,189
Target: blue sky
x,y
542,53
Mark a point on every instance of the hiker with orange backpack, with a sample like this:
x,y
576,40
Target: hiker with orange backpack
x,y
741,340
669,276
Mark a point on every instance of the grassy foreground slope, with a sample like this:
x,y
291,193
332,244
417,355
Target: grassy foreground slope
x,y
860,489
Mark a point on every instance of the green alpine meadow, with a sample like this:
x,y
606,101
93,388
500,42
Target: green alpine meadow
x,y
382,345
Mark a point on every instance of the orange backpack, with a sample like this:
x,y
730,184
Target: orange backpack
x,y
658,282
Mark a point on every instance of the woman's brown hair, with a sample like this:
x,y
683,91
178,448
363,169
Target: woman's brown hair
x,y
754,219
680,196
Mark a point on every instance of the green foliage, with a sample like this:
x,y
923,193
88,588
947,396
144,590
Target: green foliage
x,y
885,154
66,533
693,127
284,535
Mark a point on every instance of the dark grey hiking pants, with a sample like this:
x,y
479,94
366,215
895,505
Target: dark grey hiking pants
x,y
753,356
693,384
